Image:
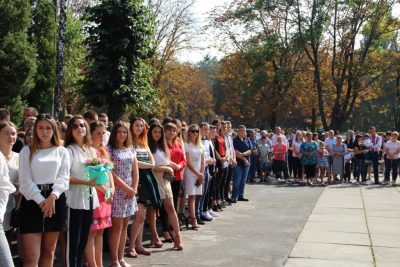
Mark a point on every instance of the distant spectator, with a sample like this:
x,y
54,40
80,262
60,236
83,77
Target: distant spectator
x,y
90,116
67,118
104,119
28,123
4,114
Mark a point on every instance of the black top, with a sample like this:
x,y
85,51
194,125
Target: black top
x,y
360,147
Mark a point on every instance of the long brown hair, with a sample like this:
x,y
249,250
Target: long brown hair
x,y
112,142
93,127
161,143
55,139
140,140
69,138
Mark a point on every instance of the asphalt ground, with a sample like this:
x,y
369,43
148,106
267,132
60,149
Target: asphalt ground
x,y
261,232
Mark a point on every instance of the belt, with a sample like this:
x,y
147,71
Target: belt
x,y
45,187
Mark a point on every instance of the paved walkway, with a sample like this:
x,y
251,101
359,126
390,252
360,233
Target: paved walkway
x,y
351,225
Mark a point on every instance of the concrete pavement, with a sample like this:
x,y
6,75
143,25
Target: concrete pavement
x,y
351,225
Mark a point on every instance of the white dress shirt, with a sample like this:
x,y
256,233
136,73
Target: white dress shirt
x,y
48,166
78,196
6,187
274,139
13,166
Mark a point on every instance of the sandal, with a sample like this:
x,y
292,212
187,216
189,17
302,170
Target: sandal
x,y
156,244
178,243
143,251
123,263
193,223
132,254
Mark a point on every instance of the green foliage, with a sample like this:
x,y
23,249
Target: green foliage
x,y
120,43
43,37
74,61
17,56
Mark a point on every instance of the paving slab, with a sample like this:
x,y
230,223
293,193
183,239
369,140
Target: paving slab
x,y
382,225
344,227
382,240
332,252
335,238
303,262
350,218
387,256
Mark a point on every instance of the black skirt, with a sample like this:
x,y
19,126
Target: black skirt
x,y
32,220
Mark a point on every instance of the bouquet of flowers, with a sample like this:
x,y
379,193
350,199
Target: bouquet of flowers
x,y
98,169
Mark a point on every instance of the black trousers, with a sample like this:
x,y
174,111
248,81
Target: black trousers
x,y
297,167
222,183
78,233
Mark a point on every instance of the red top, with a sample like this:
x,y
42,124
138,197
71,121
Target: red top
x,y
280,148
178,157
221,146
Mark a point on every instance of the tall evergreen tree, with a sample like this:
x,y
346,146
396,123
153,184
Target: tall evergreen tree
x,y
120,41
43,36
17,56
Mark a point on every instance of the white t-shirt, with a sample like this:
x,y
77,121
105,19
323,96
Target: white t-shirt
x,y
160,158
391,147
6,187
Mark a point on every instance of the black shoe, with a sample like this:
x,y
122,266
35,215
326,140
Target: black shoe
x,y
203,218
199,221
242,199
229,200
223,205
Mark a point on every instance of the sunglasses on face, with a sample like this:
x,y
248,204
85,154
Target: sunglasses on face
x,y
78,125
194,131
44,116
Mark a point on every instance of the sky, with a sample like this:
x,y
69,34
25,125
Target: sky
x,y
206,42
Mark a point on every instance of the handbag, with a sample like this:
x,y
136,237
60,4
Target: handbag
x,y
168,176
15,220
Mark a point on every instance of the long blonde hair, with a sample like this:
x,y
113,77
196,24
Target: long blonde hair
x,y
55,139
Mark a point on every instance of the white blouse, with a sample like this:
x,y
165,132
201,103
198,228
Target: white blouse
x,y
48,166
13,164
6,187
78,196
160,158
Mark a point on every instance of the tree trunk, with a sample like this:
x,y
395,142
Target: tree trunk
x,y
58,91
273,119
313,119
115,110
397,105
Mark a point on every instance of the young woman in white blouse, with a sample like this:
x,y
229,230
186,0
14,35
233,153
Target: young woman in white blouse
x,y
392,159
6,187
159,149
8,136
43,178
81,195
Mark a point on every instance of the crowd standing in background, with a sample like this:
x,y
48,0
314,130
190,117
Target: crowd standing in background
x,y
48,199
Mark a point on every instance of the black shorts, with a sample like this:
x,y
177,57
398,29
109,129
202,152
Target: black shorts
x,y
32,220
310,170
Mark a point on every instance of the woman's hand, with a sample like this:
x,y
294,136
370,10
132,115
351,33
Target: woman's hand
x,y
169,170
48,206
129,192
91,182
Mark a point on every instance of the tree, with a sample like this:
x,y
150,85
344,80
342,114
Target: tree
x,y
74,64
269,47
120,45
43,37
174,31
17,56
331,27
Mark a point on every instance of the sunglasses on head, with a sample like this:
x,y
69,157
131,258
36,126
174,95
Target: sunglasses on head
x,y
78,125
44,116
194,131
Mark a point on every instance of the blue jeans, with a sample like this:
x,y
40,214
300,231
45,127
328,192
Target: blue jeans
x,y
391,165
252,169
239,181
5,253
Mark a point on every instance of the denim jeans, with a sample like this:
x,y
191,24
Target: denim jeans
x,y
252,169
391,165
5,253
239,181
374,157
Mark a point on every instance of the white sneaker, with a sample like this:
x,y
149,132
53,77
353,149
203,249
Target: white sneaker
x,y
207,215
212,213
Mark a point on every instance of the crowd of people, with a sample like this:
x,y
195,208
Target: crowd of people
x,y
160,169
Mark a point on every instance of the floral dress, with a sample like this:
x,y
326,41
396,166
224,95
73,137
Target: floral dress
x,y
123,207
